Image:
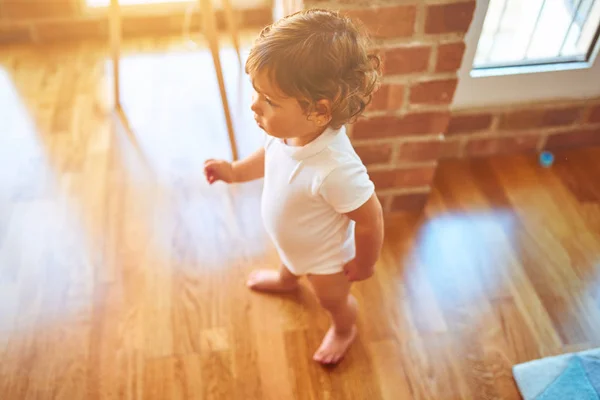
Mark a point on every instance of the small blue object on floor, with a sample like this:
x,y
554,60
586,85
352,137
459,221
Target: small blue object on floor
x,y
546,159
570,376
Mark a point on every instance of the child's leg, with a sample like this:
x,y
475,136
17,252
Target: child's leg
x,y
268,280
334,295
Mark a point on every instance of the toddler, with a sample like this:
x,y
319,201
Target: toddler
x,y
312,74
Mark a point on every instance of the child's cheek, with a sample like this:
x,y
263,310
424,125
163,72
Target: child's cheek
x,y
268,121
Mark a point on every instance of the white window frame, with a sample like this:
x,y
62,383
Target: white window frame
x,y
510,85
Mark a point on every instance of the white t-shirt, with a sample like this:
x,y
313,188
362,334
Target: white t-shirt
x,y
306,192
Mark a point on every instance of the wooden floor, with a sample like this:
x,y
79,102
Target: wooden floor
x,y
122,272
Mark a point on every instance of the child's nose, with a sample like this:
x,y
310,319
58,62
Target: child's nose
x,y
254,107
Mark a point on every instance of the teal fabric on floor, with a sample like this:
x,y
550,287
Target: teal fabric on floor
x,y
572,384
592,369
535,377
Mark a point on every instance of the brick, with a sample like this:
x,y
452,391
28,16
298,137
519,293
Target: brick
x,y
451,149
594,116
429,150
539,118
387,22
409,202
378,127
574,138
402,178
557,117
449,18
388,97
503,145
419,151
417,123
468,123
375,154
380,98
406,60
449,57
433,92
425,122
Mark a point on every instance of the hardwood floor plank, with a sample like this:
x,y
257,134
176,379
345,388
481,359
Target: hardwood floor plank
x,y
488,183
391,375
273,364
177,377
217,376
520,344
306,378
577,175
122,272
425,310
247,377
479,368
433,369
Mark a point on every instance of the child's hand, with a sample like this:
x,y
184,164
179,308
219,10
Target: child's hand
x,y
218,170
355,272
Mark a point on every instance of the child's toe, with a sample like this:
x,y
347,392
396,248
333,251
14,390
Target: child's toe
x,y
253,279
318,357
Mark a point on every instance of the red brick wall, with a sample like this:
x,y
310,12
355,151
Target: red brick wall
x,y
401,137
524,128
410,126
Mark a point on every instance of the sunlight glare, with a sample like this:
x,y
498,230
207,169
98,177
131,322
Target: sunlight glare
x,y
44,252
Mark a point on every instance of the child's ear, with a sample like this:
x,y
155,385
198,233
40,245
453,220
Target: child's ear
x,y
322,113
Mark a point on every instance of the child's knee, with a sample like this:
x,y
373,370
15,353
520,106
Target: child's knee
x,y
333,304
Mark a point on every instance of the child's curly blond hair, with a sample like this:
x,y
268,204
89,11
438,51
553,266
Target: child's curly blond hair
x,y
319,54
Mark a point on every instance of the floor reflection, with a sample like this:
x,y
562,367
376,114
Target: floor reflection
x,y
466,256
46,257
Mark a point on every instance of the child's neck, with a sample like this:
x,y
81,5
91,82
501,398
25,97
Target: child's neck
x,y
304,139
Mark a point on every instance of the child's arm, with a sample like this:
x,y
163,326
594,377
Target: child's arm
x,y
368,235
248,169
350,191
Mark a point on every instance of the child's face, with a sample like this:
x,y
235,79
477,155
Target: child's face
x,y
281,116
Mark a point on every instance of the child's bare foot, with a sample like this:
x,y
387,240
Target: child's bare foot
x,y
265,280
334,346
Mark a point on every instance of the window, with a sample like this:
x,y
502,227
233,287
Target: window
x,y
529,51
533,32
